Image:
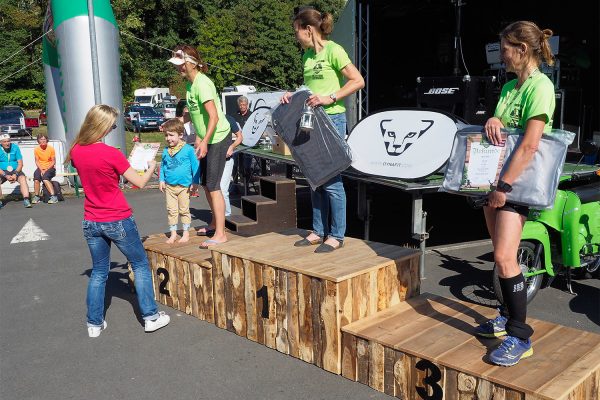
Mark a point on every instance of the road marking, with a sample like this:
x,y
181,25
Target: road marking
x,y
30,232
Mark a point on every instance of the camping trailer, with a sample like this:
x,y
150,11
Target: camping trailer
x,y
150,96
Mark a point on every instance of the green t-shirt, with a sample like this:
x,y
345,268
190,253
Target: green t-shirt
x,y
198,93
534,98
322,72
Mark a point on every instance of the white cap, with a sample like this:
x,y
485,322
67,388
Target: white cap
x,y
4,136
179,57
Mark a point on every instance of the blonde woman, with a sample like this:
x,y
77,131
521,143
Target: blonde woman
x,y
108,218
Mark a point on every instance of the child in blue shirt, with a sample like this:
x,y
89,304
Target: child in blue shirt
x,y
179,176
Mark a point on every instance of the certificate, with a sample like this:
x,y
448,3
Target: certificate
x,y
141,154
483,163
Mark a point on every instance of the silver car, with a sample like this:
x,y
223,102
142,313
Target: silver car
x,y
166,109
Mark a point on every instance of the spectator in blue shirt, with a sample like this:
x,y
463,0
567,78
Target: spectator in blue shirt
x,y
11,167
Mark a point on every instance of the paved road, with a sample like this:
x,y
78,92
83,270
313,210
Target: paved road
x,y
45,352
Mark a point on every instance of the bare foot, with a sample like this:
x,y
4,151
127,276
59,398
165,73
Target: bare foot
x,y
332,242
185,237
171,238
312,237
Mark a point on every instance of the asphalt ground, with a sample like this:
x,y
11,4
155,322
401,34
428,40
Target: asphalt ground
x,y
45,352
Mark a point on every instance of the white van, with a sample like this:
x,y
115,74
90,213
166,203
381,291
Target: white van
x,y
150,96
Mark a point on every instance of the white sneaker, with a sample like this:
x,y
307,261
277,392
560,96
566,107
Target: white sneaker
x,y
153,325
94,331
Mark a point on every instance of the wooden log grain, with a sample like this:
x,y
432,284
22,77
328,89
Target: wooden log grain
x,y
349,356
219,290
238,297
228,290
317,323
252,317
292,313
376,366
270,323
305,322
281,340
362,360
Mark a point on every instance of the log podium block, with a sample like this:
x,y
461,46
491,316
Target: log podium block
x,y
293,300
425,348
182,274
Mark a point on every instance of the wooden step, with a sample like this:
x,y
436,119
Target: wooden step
x,y
275,211
258,199
293,300
239,223
427,346
278,188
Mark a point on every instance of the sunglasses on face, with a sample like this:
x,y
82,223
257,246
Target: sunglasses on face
x,y
114,127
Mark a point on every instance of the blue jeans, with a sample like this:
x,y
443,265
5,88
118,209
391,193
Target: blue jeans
x,y
331,197
124,233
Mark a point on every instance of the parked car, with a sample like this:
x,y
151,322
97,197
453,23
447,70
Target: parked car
x,y
166,109
13,122
142,118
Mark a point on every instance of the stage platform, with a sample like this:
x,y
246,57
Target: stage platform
x,y
293,300
425,348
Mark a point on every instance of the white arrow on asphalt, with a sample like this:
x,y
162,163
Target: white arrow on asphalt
x,y
30,232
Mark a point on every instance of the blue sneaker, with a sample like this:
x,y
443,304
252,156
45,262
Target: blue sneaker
x,y
26,203
511,351
492,328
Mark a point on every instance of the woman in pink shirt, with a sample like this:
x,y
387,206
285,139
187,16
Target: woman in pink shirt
x,y
108,217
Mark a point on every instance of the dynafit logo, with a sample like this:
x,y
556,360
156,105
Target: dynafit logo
x,y
396,143
259,118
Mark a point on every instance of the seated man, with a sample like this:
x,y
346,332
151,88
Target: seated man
x,y
45,160
11,166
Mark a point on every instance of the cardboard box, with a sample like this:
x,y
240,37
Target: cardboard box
x,y
280,147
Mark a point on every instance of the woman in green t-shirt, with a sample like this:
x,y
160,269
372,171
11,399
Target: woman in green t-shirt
x,y
212,128
326,65
526,103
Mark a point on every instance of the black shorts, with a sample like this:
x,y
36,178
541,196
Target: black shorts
x,y
48,175
516,208
6,173
211,166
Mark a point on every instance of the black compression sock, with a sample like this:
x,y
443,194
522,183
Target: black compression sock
x,y
514,291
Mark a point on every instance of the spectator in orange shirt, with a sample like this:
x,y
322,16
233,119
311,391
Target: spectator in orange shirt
x,y
45,160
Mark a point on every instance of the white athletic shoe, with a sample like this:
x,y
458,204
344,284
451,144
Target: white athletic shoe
x,y
153,325
94,331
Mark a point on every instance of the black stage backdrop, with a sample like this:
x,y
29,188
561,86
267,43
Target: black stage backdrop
x,y
412,38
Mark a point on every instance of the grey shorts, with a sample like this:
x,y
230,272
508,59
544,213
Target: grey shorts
x,y
6,173
211,166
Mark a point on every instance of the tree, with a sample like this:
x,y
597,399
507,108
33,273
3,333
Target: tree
x,y
21,22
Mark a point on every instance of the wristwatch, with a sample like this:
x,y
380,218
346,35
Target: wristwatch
x,y
503,187
333,97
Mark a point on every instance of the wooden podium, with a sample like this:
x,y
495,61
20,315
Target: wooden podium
x,y
182,274
425,348
293,300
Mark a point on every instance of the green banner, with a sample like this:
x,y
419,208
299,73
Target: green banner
x,y
63,10
49,53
